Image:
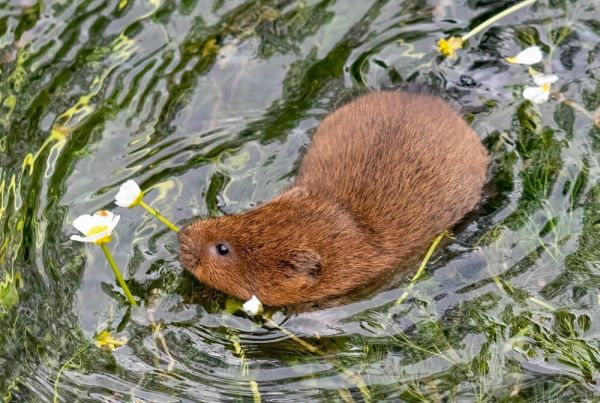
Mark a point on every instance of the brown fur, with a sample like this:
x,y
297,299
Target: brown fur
x,y
383,176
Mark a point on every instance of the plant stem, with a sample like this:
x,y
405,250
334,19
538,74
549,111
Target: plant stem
x,y
569,102
153,304
115,270
63,367
159,217
495,18
419,272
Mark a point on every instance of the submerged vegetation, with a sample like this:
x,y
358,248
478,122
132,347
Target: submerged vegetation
x,y
209,105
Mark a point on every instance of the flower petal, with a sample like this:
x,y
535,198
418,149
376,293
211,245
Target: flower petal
x,y
81,239
541,79
103,217
99,235
448,47
98,228
253,306
537,95
83,223
129,194
113,223
531,55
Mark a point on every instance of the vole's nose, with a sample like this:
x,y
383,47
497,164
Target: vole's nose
x,y
189,255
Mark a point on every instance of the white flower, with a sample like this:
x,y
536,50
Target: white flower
x,y
529,56
541,93
97,228
537,95
253,306
543,79
129,194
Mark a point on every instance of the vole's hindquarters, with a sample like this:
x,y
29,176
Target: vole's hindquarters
x,y
405,164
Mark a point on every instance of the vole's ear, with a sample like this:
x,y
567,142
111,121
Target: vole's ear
x,y
304,261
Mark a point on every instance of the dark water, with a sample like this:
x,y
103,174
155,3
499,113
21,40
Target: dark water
x,y
208,105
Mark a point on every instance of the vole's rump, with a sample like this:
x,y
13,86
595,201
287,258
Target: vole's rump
x,y
405,165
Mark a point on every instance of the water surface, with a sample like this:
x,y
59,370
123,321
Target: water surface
x,y
209,106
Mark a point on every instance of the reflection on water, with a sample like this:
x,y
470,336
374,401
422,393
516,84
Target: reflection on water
x,y
209,106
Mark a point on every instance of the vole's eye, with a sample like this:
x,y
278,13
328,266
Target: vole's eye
x,y
222,249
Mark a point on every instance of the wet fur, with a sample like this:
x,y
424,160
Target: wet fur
x,y
383,175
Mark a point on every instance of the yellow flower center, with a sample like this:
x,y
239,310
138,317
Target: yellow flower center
x,y
545,87
107,341
105,239
96,230
448,47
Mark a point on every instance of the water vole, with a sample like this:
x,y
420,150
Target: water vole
x,y
382,177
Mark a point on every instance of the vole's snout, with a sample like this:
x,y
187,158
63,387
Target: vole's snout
x,y
188,250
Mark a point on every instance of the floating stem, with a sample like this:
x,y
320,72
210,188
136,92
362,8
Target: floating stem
x,y
578,107
159,217
63,368
421,268
495,18
115,270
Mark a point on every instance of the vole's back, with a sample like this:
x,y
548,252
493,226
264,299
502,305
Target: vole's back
x,y
406,166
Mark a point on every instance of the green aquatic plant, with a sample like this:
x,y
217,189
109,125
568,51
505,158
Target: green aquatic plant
x,y
65,366
98,229
9,292
422,266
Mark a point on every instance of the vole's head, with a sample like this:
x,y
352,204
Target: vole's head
x,y
253,253
288,251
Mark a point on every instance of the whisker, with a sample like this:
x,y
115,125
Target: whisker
x,y
240,201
